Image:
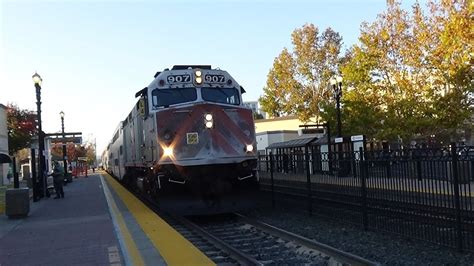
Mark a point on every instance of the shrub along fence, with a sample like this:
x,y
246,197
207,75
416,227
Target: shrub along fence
x,y
426,194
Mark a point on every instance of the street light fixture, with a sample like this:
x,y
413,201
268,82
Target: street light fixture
x,y
41,166
37,79
64,144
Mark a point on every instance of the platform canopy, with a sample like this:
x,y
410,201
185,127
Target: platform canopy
x,y
292,143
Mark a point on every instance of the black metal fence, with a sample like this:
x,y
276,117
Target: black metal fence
x,y
426,194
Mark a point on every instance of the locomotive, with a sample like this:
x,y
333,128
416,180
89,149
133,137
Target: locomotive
x,y
188,143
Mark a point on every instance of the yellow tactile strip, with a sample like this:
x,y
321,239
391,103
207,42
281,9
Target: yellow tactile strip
x,y
132,250
173,247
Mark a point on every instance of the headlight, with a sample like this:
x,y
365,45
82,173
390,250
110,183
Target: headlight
x,y
198,77
208,120
168,151
249,148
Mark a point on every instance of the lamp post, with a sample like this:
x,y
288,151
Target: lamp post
x,y
64,144
41,166
336,83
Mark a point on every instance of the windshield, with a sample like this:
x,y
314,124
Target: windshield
x,y
167,97
221,95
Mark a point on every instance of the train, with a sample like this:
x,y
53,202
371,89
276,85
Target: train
x,y
188,143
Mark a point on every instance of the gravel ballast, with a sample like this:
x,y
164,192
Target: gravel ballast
x,y
381,247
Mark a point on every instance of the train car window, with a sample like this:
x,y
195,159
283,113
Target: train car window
x,y
221,95
167,97
121,150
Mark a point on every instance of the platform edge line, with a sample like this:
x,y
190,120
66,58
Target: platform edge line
x,y
124,237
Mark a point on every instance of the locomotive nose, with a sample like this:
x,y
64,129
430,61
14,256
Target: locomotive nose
x,y
206,133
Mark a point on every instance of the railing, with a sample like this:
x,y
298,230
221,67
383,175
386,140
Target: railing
x,y
426,194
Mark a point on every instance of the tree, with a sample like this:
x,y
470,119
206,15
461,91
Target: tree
x,y
79,151
21,124
451,63
297,83
72,151
90,154
410,75
57,150
257,116
411,72
280,80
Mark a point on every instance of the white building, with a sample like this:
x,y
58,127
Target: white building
x,y
3,143
255,106
280,129
264,139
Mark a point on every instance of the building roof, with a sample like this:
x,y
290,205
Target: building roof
x,y
324,140
3,106
276,119
276,132
292,143
315,141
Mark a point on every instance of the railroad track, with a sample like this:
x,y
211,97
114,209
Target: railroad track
x,y
258,243
234,239
217,251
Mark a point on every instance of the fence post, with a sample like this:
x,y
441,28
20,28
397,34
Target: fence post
x,y
16,181
266,162
418,164
271,178
457,201
388,165
363,175
330,168
308,181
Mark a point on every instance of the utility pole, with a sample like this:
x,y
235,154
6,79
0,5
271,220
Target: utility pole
x,y
63,143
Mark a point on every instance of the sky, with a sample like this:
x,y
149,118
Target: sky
x,y
94,56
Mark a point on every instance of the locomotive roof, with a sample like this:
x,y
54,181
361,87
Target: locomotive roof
x,y
184,67
181,67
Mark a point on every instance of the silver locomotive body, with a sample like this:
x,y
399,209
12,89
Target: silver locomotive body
x,y
189,143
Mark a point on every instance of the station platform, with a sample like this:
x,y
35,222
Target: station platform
x,y
97,223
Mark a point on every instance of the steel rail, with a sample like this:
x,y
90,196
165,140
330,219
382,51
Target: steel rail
x,y
242,258
238,255
338,255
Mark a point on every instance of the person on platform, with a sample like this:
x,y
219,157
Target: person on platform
x,y
58,179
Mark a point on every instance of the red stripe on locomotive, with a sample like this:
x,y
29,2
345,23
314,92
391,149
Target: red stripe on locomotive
x,y
232,131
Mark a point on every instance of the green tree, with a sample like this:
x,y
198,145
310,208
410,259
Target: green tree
x,y
21,125
450,60
411,72
297,83
280,80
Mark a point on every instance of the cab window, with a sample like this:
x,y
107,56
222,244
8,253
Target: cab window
x,y
221,95
167,97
